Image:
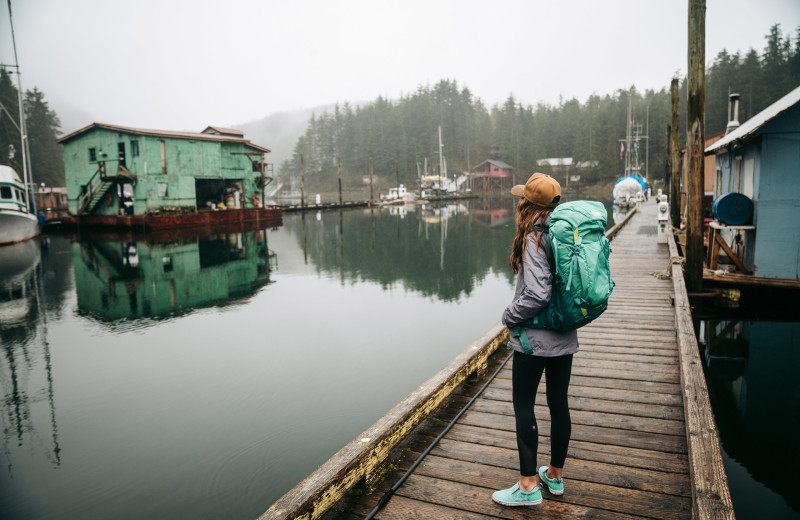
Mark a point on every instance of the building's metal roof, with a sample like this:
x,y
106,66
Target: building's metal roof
x,y
198,136
224,131
499,164
555,161
752,125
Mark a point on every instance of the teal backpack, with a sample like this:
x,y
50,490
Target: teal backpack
x,y
581,273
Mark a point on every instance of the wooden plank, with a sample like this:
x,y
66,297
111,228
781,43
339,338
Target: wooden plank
x,y
599,434
603,501
622,384
478,500
711,495
600,393
644,418
586,450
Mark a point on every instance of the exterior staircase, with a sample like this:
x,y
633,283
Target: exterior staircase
x,y
99,186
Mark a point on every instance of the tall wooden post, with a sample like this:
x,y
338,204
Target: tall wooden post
x,y
370,181
302,183
674,160
695,137
339,172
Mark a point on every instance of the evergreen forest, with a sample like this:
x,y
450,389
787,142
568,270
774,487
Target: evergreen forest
x,y
43,125
397,135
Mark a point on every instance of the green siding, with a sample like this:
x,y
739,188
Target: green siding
x,y
186,160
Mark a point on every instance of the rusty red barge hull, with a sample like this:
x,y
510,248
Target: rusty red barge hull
x,y
271,216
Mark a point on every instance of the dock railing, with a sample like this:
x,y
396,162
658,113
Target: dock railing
x,y
364,458
711,498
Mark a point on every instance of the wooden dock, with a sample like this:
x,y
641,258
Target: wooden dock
x,y
643,438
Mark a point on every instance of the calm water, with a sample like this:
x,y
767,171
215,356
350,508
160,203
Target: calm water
x,y
204,377
752,359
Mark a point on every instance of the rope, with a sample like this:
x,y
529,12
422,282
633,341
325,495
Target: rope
x,y
667,275
385,498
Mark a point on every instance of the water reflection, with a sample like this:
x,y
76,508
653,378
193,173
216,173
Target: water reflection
x,y
125,279
27,405
751,369
442,250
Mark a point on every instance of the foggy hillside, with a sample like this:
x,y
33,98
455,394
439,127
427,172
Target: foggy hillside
x,y
279,131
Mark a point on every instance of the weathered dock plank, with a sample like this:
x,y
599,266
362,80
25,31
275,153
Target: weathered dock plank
x,y
643,440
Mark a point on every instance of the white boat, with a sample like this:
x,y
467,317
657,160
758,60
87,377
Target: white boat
x,y
399,195
17,220
628,191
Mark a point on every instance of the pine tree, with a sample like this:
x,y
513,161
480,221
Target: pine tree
x,y
43,127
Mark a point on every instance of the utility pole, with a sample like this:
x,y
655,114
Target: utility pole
x,y
695,136
674,160
370,181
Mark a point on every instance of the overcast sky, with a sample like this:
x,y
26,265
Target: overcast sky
x,y
182,65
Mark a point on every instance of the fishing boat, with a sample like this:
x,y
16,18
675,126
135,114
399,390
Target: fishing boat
x,y
630,187
399,195
18,221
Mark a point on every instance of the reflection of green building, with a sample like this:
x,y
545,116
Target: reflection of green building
x,y
118,280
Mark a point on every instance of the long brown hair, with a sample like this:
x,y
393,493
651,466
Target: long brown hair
x,y
528,215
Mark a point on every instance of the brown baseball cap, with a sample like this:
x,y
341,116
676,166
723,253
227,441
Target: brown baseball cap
x,y
541,190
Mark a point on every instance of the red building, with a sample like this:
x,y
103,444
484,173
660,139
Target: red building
x,y
492,174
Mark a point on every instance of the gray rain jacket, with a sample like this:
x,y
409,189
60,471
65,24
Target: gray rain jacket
x,y
534,287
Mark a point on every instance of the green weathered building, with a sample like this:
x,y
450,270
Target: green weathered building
x,y
127,172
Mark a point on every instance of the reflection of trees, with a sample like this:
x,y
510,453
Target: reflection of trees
x,y
434,251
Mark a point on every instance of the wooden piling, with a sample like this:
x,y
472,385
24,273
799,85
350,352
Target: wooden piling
x,y
695,136
339,173
302,183
674,160
370,181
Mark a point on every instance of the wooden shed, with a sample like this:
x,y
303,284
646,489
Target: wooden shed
x,y
492,174
116,173
761,159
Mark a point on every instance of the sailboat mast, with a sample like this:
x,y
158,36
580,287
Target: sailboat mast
x,y
23,127
441,161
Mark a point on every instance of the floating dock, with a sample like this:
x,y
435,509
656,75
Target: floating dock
x,y
644,443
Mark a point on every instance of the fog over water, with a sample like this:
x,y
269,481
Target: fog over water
x,y
183,65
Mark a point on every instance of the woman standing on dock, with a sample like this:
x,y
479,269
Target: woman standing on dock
x,y
550,351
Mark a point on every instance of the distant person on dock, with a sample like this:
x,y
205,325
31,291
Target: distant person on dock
x,y
550,350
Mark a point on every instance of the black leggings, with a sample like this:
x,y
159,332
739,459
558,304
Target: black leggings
x,y
526,374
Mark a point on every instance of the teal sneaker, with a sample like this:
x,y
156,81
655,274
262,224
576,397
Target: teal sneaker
x,y
554,485
514,496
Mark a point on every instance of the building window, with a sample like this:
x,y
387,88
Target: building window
x,y
135,148
162,189
5,192
163,157
495,169
93,154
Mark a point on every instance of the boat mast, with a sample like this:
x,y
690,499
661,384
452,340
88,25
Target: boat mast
x,y
23,127
441,161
